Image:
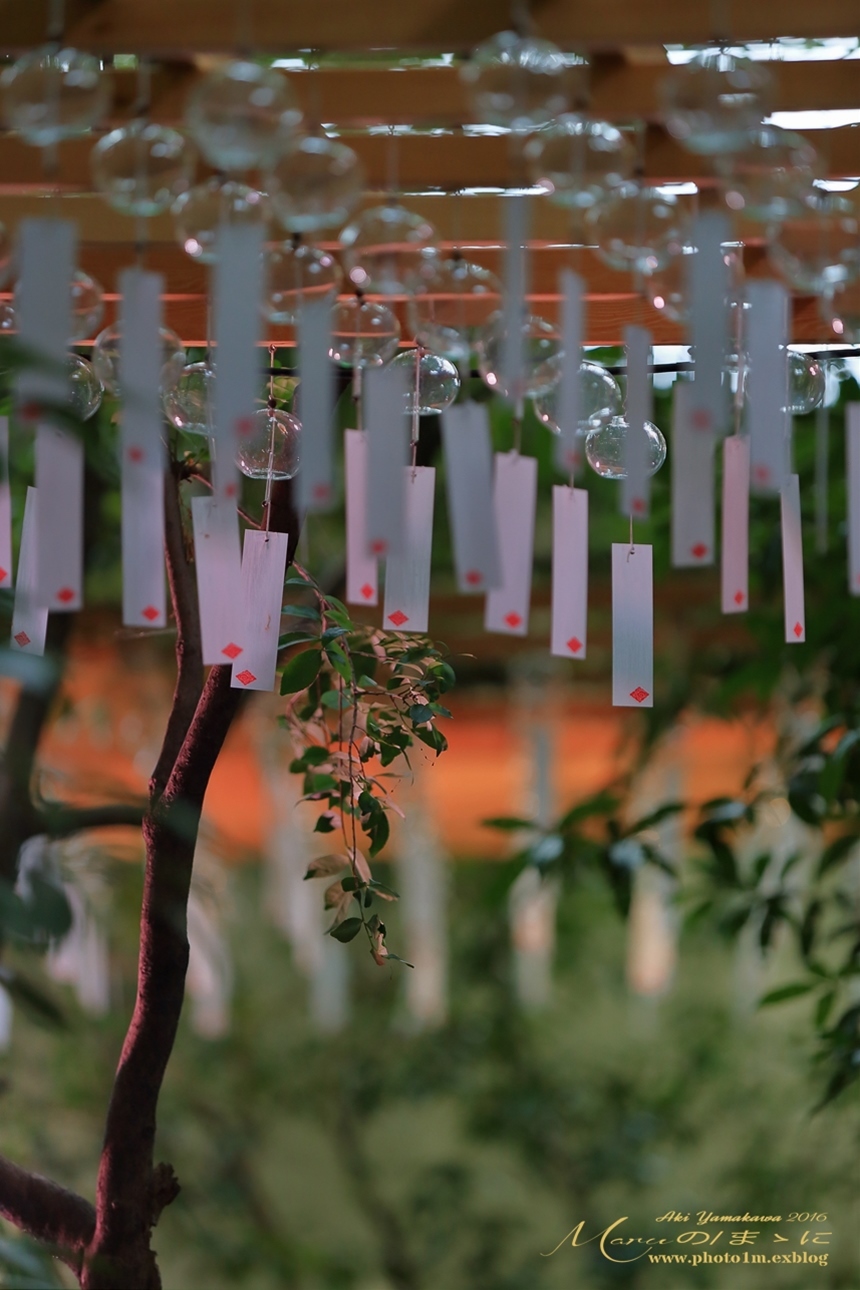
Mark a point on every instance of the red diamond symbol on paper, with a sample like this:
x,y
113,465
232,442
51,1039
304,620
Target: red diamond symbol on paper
x,y
701,419
739,597
379,547
639,694
398,618
3,574
512,619
798,630
474,577
29,411
232,650
322,492
638,505
22,639
244,425
762,474
230,490
367,591
150,612
245,677
574,644
135,454
65,594
699,550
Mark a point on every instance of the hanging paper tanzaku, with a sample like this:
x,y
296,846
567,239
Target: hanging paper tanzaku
x,y
237,287
218,565
264,563
316,407
569,571
141,450
636,485
5,507
767,385
708,284
792,562
469,479
46,253
407,570
515,214
361,569
852,466
692,462
632,626
568,444
387,454
29,617
514,498
735,525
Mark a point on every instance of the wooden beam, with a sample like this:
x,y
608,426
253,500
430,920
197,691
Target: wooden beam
x,y
165,27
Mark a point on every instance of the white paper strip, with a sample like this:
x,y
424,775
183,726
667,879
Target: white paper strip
x,y
735,525
514,496
822,463
692,462
29,618
792,562
636,487
5,507
469,480
852,485
387,454
361,569
60,533
316,405
709,321
237,287
264,564
569,571
632,627
407,570
46,260
515,215
568,444
219,579
142,462
767,385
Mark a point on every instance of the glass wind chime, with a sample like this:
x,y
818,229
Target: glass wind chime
x,y
242,117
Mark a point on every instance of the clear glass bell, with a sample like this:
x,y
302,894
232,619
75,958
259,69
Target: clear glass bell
x,y
772,176
199,214
599,400
188,403
242,115
605,447
711,103
5,256
271,449
577,160
363,333
806,383
437,379
50,94
8,321
106,357
840,307
385,247
141,168
542,355
522,82
297,273
85,388
315,185
636,228
666,287
818,249
453,300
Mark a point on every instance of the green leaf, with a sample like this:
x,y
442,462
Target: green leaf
x,y
302,611
600,804
332,633
420,713
507,823
382,890
792,991
295,638
301,671
347,930
836,852
326,866
822,1008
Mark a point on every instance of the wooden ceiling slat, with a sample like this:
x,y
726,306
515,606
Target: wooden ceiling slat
x,y
166,27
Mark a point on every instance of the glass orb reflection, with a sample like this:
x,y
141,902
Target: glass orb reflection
x,y
542,355
385,247
106,357
271,448
577,160
188,404
84,386
141,167
51,94
199,213
296,274
599,400
605,448
636,228
242,115
363,333
771,177
819,249
521,82
806,383
711,103
316,184
453,300
5,255
437,380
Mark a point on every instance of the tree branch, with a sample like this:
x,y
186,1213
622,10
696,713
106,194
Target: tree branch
x,y
46,1211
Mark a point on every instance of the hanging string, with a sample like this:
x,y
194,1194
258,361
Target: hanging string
x,y
822,461
272,403
415,409
141,111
